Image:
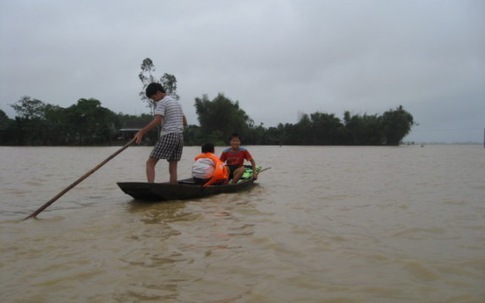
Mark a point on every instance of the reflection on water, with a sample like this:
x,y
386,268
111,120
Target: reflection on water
x,y
325,224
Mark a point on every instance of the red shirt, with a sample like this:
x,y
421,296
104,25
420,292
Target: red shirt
x,y
235,158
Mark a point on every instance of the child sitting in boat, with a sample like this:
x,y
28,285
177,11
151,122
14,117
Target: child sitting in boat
x,y
234,158
208,169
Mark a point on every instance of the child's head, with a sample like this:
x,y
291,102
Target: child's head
x,y
154,91
207,148
235,141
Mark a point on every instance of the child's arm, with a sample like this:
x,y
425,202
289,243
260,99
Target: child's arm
x,y
184,121
157,120
255,173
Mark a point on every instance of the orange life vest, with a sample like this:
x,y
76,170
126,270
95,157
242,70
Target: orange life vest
x,y
221,172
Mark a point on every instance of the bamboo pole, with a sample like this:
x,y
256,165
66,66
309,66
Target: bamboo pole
x,y
65,190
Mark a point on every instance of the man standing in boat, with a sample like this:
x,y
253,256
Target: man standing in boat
x,y
168,114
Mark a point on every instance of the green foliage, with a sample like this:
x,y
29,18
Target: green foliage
x,y
168,81
141,119
388,129
320,129
88,123
28,108
364,130
220,117
193,135
4,121
29,125
5,128
56,125
132,121
38,123
396,124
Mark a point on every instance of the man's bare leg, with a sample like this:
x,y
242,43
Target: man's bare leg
x,y
150,169
238,172
172,170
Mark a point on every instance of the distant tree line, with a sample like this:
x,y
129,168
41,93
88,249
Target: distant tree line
x,y
40,123
88,123
220,117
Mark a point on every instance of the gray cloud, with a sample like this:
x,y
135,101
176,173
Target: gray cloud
x,y
278,58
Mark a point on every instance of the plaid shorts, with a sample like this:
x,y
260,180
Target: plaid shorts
x,y
169,147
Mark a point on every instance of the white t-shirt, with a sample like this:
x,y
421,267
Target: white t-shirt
x,y
172,113
203,168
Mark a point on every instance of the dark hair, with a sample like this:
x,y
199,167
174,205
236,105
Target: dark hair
x,y
234,135
208,148
153,88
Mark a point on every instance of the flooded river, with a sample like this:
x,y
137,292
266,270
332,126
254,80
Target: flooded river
x,y
325,224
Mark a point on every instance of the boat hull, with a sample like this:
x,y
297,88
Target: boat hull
x,y
184,189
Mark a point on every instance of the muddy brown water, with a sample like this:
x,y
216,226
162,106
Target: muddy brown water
x,y
325,224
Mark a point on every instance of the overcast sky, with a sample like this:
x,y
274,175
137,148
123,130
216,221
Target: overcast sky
x,y
278,58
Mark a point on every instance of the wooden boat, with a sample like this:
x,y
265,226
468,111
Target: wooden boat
x,y
184,189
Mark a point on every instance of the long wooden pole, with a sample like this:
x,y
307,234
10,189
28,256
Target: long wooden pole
x,y
264,169
48,203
